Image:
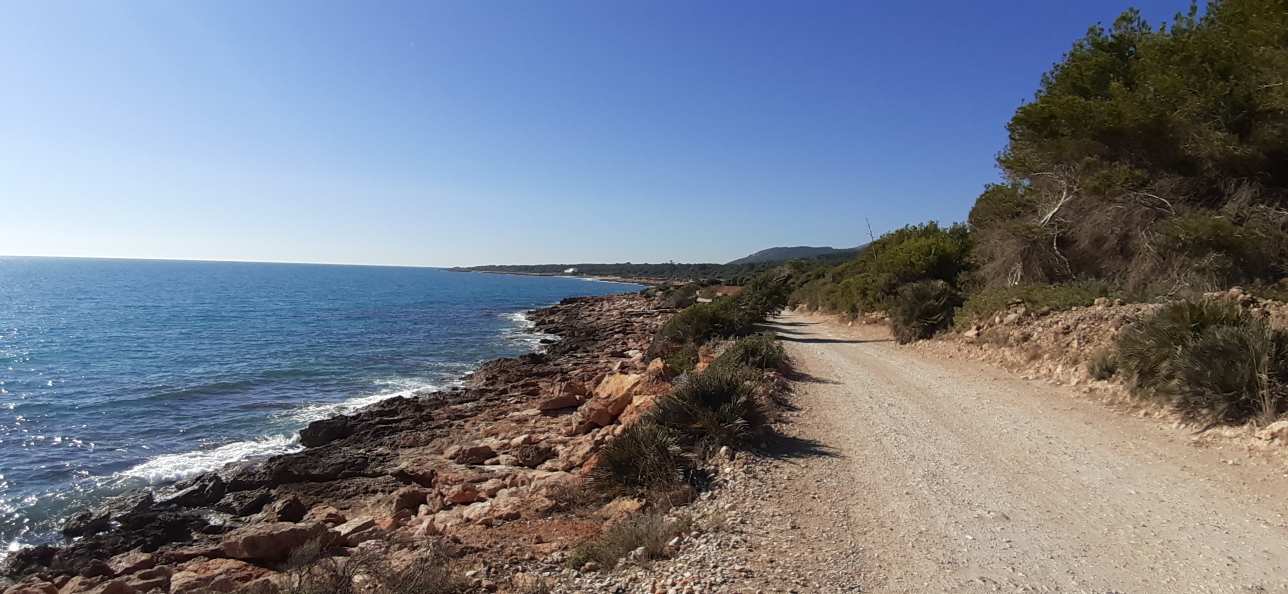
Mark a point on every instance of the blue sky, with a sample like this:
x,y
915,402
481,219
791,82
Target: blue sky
x,y
456,133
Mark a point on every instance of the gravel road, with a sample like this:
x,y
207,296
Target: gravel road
x,y
924,475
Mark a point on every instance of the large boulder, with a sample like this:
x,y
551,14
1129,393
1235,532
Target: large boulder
x,y
270,541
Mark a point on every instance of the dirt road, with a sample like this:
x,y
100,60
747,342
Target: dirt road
x,y
931,475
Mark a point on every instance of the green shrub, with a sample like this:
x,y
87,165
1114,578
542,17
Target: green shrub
x,y
717,407
645,457
759,351
649,532
921,309
1230,374
1146,348
1210,359
1102,365
988,302
1149,156
682,360
872,280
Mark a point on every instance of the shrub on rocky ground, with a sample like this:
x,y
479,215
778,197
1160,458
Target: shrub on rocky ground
x,y
985,303
1231,374
1212,360
646,456
1102,365
922,309
714,408
759,351
308,572
639,539
682,360
1146,347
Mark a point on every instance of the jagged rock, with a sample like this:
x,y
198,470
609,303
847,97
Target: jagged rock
x,y
325,514
215,575
472,454
87,524
620,508
205,490
357,531
463,494
148,580
271,541
531,456
289,509
559,402
407,498
35,586
127,563
417,472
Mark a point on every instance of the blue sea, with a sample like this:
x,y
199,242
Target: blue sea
x,y
121,373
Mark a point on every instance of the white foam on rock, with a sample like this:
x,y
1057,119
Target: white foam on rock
x,y
175,467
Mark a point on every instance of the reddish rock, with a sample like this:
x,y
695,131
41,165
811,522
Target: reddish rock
x,y
270,541
325,514
35,586
473,454
216,575
559,402
407,498
463,494
288,509
356,531
136,560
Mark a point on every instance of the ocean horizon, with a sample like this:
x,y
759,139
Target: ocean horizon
x,y
117,374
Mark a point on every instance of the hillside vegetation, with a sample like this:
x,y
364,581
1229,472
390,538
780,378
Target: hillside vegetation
x,y
1151,163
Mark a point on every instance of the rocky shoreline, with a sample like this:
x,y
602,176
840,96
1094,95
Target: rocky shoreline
x,y
486,477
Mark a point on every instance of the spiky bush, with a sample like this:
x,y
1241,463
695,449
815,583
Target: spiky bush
x,y
921,309
1210,359
649,532
683,359
1148,347
759,351
717,407
1230,374
647,456
1102,365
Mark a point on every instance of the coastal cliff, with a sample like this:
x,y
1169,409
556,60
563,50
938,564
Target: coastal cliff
x,y
485,476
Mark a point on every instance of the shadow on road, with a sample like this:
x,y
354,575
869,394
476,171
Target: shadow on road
x,y
831,340
785,447
801,376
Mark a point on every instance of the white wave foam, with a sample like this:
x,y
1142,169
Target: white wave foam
x,y
317,412
174,467
523,331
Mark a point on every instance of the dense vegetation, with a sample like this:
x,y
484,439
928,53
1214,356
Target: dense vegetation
x,y
1211,359
1151,164
1154,159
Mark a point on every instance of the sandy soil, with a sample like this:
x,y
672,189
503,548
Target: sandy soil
x,y
913,474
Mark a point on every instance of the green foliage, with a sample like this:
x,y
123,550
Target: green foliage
x,y
1102,365
646,456
683,359
759,351
725,317
989,301
649,532
871,281
1148,153
921,309
1230,374
1210,359
717,407
1146,348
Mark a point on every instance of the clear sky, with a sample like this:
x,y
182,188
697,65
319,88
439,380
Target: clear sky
x,y
471,132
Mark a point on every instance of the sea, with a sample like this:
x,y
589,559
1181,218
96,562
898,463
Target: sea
x,y
119,374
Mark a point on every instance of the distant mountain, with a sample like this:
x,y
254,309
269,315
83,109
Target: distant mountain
x,y
800,252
